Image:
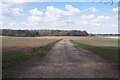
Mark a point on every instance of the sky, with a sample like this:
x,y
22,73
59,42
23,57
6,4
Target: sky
x,y
94,17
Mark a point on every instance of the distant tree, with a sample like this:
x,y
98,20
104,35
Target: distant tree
x,y
85,33
33,33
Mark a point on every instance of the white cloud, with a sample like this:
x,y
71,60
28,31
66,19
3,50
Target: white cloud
x,y
72,10
115,9
16,11
52,13
31,24
55,18
115,25
3,8
67,18
102,18
8,11
34,19
88,20
87,17
36,12
93,9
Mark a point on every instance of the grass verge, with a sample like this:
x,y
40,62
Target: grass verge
x,y
110,53
40,51
12,60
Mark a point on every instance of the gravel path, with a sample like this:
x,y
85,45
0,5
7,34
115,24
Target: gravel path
x,y
66,60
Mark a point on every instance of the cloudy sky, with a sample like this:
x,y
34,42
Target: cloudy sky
x,y
94,17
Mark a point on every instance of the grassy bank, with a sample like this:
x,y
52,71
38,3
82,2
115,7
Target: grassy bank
x,y
12,60
110,53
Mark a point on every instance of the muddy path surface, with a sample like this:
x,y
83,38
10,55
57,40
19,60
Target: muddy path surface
x,y
66,60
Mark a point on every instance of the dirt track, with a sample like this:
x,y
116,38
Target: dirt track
x,y
66,60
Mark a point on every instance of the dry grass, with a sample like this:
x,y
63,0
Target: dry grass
x,y
24,43
98,41
94,41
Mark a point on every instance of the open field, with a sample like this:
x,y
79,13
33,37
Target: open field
x,y
17,50
99,41
94,41
75,59
25,41
102,46
65,60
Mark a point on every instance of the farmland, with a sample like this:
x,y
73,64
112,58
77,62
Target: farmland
x,y
30,57
98,41
17,50
106,47
25,41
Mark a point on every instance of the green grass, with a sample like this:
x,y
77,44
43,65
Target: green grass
x,y
12,60
40,51
110,53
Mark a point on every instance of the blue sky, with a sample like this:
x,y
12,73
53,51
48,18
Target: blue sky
x,y
93,17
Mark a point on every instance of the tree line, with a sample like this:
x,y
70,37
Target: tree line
x,y
37,33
